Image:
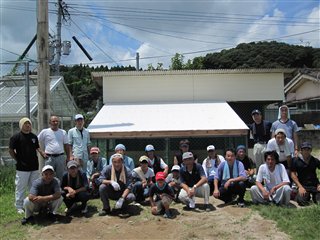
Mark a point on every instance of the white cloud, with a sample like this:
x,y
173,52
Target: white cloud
x,y
211,24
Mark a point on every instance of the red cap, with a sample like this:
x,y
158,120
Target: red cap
x,y
160,176
94,150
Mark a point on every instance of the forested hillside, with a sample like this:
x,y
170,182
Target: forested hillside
x,y
88,95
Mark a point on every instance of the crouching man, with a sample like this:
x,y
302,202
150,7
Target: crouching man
x,y
272,183
193,183
115,184
45,194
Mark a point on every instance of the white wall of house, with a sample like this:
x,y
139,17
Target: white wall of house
x,y
192,86
308,90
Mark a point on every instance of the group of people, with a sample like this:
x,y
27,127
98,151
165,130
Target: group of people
x,y
74,172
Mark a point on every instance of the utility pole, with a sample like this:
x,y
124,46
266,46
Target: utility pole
x,y
58,40
43,65
137,61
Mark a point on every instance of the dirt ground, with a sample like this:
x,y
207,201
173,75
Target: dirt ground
x,y
223,222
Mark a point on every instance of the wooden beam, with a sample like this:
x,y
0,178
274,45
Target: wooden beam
x,y
158,134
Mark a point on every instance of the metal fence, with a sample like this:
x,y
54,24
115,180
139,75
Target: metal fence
x,y
167,147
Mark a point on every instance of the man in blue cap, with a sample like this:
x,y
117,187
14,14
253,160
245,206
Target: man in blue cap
x,y
128,161
304,175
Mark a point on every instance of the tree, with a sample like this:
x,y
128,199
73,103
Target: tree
x,y
177,62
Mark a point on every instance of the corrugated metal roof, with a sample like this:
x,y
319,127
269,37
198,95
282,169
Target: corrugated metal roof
x,y
13,99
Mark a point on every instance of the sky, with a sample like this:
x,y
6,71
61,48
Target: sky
x,y
112,32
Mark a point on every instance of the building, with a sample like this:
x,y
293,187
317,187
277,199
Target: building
x,y
13,105
163,107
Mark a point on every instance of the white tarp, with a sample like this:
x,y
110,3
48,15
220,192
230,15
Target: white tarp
x,y
166,119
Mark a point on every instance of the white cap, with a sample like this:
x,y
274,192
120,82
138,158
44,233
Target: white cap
x,y
187,155
280,130
47,167
210,147
175,168
78,116
149,148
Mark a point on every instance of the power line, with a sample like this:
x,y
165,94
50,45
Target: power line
x,y
94,42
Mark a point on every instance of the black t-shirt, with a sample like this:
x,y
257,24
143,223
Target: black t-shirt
x,y
261,132
75,183
192,178
306,172
25,146
247,163
155,190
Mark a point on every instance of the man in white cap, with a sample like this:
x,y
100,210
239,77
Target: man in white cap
x,y
54,141
210,165
23,148
128,161
288,125
193,182
173,180
142,179
79,142
155,162
283,146
45,194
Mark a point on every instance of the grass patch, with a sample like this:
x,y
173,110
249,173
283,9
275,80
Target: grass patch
x,y
301,223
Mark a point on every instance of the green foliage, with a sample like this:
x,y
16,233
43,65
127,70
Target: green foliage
x,y
7,176
263,55
177,62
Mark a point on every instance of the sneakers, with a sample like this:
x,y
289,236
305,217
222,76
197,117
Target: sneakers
x,y
207,208
192,203
84,210
167,214
104,212
24,221
241,204
20,211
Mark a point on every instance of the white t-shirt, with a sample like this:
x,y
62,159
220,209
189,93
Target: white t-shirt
x,y
147,175
273,146
211,170
271,179
53,141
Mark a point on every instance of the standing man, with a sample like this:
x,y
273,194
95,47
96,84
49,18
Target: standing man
x,y
54,141
23,148
193,182
303,173
272,183
115,184
128,161
290,126
230,179
79,142
45,194
260,132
